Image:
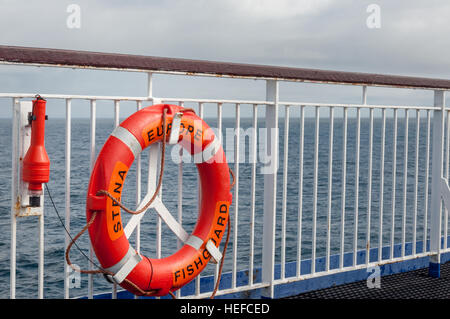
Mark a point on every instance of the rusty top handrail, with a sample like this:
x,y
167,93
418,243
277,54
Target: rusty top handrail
x,y
115,61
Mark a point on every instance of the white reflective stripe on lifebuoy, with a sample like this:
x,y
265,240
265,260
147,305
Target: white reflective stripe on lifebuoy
x,y
209,151
194,241
125,265
127,268
175,128
128,139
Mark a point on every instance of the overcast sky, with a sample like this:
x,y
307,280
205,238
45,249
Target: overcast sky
x,y
413,39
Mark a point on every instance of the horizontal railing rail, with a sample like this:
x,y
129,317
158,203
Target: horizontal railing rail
x,y
127,62
347,192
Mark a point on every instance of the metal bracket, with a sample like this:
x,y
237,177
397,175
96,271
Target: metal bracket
x,y
28,211
22,206
215,253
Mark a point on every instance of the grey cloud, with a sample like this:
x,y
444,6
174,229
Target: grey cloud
x,y
332,35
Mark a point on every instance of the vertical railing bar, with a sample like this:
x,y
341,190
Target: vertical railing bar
x,y
300,191
154,156
344,164
158,155
236,193
158,219
364,95
416,177
200,109
67,191
253,194
219,128
149,85
219,121
446,172
156,163
356,211
427,171
14,187
315,182
381,208
138,194
180,189
116,123
41,257
91,166
116,113
270,190
437,158
92,132
138,189
405,183
197,279
180,198
219,132
394,177
369,188
330,186
284,195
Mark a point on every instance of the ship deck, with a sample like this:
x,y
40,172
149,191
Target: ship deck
x,y
416,284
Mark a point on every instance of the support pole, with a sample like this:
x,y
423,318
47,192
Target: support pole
x,y
436,199
270,188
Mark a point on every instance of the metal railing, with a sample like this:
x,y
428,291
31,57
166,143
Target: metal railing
x,y
348,192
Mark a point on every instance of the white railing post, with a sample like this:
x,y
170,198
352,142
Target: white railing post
x,y
436,199
67,196
14,186
93,118
149,85
270,188
19,199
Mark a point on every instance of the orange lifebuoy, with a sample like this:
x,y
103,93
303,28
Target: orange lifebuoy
x,y
107,236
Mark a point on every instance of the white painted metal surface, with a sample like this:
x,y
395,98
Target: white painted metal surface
x,y
385,218
270,189
20,199
437,162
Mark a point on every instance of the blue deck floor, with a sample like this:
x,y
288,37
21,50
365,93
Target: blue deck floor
x,y
407,285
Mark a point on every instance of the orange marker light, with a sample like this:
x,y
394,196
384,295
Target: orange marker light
x,y
36,164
